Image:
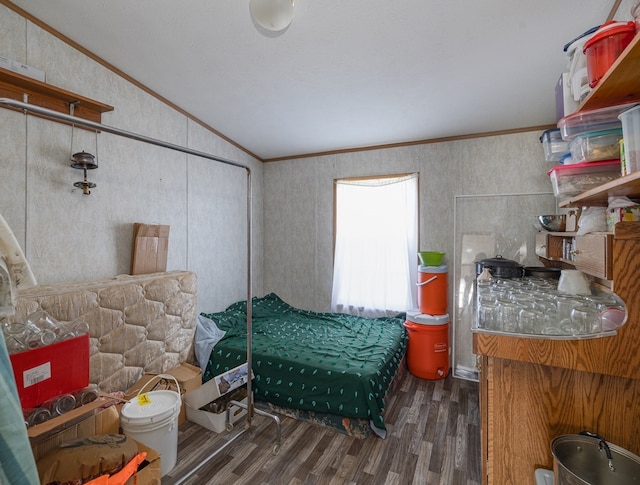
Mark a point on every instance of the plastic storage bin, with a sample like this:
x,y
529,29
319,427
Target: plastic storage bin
x,y
554,146
577,77
570,180
605,46
595,146
592,120
631,133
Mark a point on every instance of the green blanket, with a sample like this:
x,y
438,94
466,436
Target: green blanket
x,y
329,362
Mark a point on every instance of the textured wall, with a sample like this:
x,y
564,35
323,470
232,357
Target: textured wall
x,y
624,10
69,237
298,201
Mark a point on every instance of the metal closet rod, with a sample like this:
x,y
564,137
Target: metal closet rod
x,y
26,107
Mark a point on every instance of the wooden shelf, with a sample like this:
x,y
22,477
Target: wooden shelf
x,y
621,83
629,186
16,86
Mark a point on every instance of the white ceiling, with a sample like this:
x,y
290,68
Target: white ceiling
x,y
346,73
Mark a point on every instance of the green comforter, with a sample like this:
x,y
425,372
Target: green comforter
x,y
328,362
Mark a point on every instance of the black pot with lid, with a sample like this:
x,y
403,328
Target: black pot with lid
x,y
500,267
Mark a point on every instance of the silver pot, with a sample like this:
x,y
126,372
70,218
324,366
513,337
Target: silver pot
x,y
587,459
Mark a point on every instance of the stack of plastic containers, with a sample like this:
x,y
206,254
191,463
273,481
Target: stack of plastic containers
x,y
428,327
594,142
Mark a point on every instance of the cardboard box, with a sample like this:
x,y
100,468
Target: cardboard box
x,y
97,417
150,248
622,214
189,378
49,371
209,392
150,470
89,420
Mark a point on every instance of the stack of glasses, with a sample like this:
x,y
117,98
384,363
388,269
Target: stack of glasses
x,y
40,329
534,306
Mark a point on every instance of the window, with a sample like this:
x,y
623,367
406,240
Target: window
x,y
376,242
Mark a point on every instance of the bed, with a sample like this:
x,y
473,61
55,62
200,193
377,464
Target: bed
x,y
331,368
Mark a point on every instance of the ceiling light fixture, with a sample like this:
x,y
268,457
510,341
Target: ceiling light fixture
x,y
272,15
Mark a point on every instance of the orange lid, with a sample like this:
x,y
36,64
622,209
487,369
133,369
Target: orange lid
x,y
610,28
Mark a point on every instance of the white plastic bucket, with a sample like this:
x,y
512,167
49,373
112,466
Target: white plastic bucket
x,y
152,419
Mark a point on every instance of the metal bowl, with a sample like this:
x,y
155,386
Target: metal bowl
x,y
553,223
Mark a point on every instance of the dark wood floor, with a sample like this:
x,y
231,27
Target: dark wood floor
x,y
433,437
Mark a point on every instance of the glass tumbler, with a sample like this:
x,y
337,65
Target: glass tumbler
x,y
61,404
531,321
85,395
488,315
508,317
34,416
585,320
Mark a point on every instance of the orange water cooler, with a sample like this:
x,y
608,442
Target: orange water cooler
x,y
428,347
432,289
428,327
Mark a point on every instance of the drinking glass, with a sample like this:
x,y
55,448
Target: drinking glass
x,y
565,304
488,315
585,320
531,321
508,317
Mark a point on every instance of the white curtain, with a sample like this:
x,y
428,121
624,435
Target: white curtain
x,y
375,263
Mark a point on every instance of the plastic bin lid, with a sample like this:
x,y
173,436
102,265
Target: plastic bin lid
x,y
547,135
591,120
580,39
158,406
432,269
585,165
628,111
425,319
610,28
617,131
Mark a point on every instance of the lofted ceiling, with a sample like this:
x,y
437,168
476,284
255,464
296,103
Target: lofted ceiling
x,y
346,73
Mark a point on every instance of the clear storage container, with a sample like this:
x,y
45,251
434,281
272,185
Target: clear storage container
x,y
570,180
631,132
554,146
592,120
595,146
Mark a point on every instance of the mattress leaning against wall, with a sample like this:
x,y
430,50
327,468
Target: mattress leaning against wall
x,y
138,324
